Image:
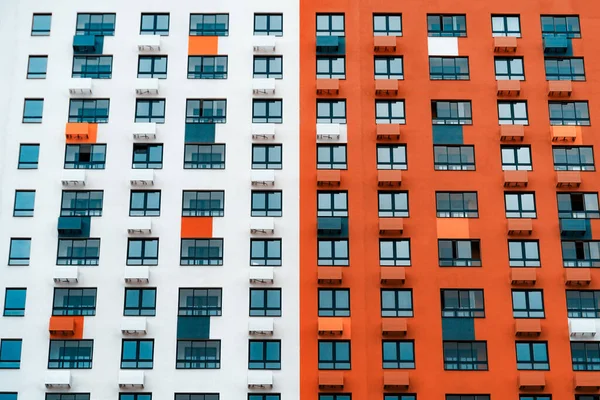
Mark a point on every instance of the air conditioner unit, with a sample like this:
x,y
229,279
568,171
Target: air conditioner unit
x,y
328,132
263,131
263,86
262,225
263,177
58,379
260,379
264,44
131,379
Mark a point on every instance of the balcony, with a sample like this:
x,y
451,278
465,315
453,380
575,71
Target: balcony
x,y
392,275
264,44
142,177
80,86
134,326
329,275
563,133
328,86
389,177
559,88
260,379
86,44
512,133
520,226
528,327
506,44
330,326
573,227
263,131
386,86
523,276
64,326
260,326
263,86
393,380
391,226
328,132
264,275
388,131
73,177
586,381
384,43
394,327
66,274
555,45
149,43
264,225
582,328
568,179
146,86
58,380
508,88
578,276
137,274
131,379
328,44
144,131
532,380
329,177
331,380
263,177
515,179
139,226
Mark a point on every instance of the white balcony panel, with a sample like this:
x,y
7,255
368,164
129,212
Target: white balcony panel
x,y
147,86
139,225
58,379
149,43
263,177
265,44
134,325
263,86
262,225
142,177
73,177
144,130
262,274
260,379
328,132
80,86
263,131
583,328
66,274
137,274
131,379
260,326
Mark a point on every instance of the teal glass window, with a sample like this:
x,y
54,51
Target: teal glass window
x,y
140,302
20,249
96,24
40,26
264,354
14,302
24,203
32,111
10,353
36,67
28,156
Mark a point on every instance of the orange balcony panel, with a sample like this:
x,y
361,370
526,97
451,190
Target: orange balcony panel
x,y
586,380
331,326
560,88
515,178
329,274
331,380
386,86
395,380
568,179
62,326
528,327
389,177
393,275
578,276
77,130
388,131
520,226
508,87
505,44
394,327
523,276
532,380
391,226
563,133
384,43
512,132
328,86
329,177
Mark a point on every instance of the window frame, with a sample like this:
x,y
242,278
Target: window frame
x,y
79,306
517,153
331,117
467,301
450,165
146,150
320,61
397,310
202,164
329,197
529,310
531,362
587,349
28,163
209,32
333,151
10,363
581,199
78,361
98,105
28,116
575,121
266,362
200,211
583,307
506,31
387,31
266,310
23,247
267,59
138,362
513,119
41,74
268,31
270,115
28,208
391,152
210,260
11,311
581,248
333,259
266,260
523,260
387,61
98,74
456,260
269,210
219,68
389,108
202,300
90,210
330,30
398,248
456,107
154,72
509,75
344,363
560,75
83,260
472,362
141,310
396,202
442,32
155,30
41,32
220,105
91,151
145,245
521,200
146,210
95,32
268,154
567,33
456,74
335,310
400,361
465,211
569,166
203,361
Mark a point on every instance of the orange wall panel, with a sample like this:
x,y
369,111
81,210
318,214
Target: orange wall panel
x,y
203,45
196,227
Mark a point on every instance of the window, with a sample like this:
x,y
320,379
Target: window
x,y
578,205
340,396
152,67
144,203
74,302
520,205
70,354
456,204
68,396
581,303
265,252
389,68
8,396
565,69
20,249
581,254
506,25
462,303
140,302
332,252
267,111
266,156
142,252
266,204
512,113
268,24
96,67
207,67
532,355
516,158
14,302
387,25
28,156
332,204
135,396
396,303
333,67
393,204
201,252
389,112
24,203
200,302
81,203
509,68
268,67
446,25
523,253
204,156
206,111
150,111
394,252
36,67
209,24
454,158
40,25
467,397
569,113
331,111
154,24
78,252
561,25
95,24
265,302
264,354
459,253
449,68
91,110
32,111
137,354
198,396
528,304
397,396
198,354
10,353
465,356
331,156
147,156
203,203
391,156
330,25
85,156
398,354
585,356
575,158
544,397
334,354
334,302
451,112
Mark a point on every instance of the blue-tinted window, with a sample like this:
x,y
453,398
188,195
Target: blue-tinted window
x,y
70,354
20,249
203,111
140,302
24,203
80,301
561,25
398,354
268,24
209,24
150,111
207,67
78,252
265,302
134,396
152,67
67,396
155,24
33,110
264,354
446,25
28,156
204,156
137,354
89,110
40,25
14,302
96,24
198,354
36,67
267,111
334,354
147,156
142,252
95,67
85,156
10,353
81,203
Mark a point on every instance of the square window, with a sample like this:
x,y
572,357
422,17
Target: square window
x,y
14,302
584,356
389,68
140,302
391,156
528,304
10,353
267,111
36,67
137,354
150,111
147,156
333,252
334,302
331,67
142,252
32,111
330,25
532,356
332,204
152,67
334,354
155,24
41,24
144,203
70,302
28,156
264,354
19,253
387,24
516,158
393,204
394,252
523,253
331,156
268,24
24,203
331,111
519,205
265,252
200,302
265,302
512,113
389,112
268,67
398,354
509,68
266,203
267,156
396,303
506,25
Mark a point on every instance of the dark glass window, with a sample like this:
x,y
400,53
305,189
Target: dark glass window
x,y
459,253
331,156
330,25
465,356
40,26
68,396
467,397
81,203
135,396
398,354
512,113
547,397
576,158
206,111
36,67
389,68
203,203
394,252
516,158
585,356
137,354
580,253
523,253
29,156
334,354
389,112
456,204
200,301
266,204
578,205
268,24
582,303
569,113
463,303
204,156
267,111
144,203
89,110
70,354
265,252
528,304
509,68
332,252
155,24
268,67
564,69
332,204
201,252
391,156
266,156
152,67
78,252
85,156
264,354
147,156
331,67
142,252
387,25
396,303
337,396
261,396
96,67
398,396
393,204
506,25
446,25
532,355
140,302
449,68
19,251
24,203
331,111
451,112
10,353
14,302
96,24
561,25
207,67
265,302
209,24
520,205
74,301
33,110
334,302
198,354
198,396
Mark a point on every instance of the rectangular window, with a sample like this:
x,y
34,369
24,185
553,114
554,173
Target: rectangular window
x,y
155,24
523,253
200,302
265,252
462,303
330,25
14,302
391,156
334,354
573,158
331,67
150,111
389,112
451,112
204,156
24,203
333,252
467,397
548,397
569,113
268,24
268,67
209,24
36,67
33,110
29,156
398,396
266,204
137,354
265,302
506,25
396,303
331,156
203,203
147,156
332,204
206,111
140,302
334,302
85,156
10,353
582,303
266,156
96,24
81,203
528,304
456,204
449,68
512,113
392,204
564,69
207,67
465,356
516,158
70,354
581,254
578,205
394,252
144,203
454,158
201,252
152,67
197,396
532,355
509,68
585,356
519,205
40,25
331,111
135,396
561,25
89,110
198,354
398,354
267,111
264,354
459,253
20,251
69,396
95,67
142,252
446,25
389,68
337,396
387,25
74,301
78,252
